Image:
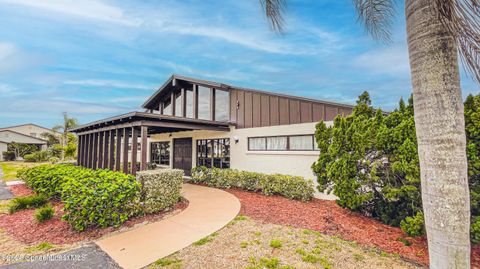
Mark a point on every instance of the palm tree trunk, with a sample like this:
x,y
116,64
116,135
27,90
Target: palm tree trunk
x,y
441,138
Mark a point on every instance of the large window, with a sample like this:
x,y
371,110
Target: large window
x,y
189,105
282,143
222,105
204,103
160,153
213,153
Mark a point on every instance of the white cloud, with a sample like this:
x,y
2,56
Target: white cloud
x,y
391,61
7,90
109,83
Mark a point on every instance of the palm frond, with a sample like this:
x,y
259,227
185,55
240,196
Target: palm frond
x,y
462,19
274,10
377,17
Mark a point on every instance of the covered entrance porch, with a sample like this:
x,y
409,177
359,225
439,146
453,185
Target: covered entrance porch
x,y
114,143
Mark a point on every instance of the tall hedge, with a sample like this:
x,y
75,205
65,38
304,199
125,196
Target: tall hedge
x,y
369,160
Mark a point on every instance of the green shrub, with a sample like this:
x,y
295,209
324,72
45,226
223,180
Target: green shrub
x,y
413,226
45,213
54,160
39,156
292,187
26,202
8,155
275,243
475,231
160,189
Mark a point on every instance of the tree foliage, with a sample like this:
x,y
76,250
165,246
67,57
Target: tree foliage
x,y
369,160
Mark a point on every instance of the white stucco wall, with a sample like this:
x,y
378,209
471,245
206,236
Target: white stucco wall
x,y
3,147
284,162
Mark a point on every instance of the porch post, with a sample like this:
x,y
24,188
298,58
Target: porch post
x,y
95,151
100,150
111,152
106,136
125,150
88,155
143,150
79,150
84,150
118,149
134,151
195,102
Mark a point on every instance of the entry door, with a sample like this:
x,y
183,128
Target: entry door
x,y
182,154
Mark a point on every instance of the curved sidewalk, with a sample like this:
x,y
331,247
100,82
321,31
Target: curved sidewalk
x,y
208,210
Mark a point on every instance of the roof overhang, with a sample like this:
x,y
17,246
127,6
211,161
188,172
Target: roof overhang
x,y
157,123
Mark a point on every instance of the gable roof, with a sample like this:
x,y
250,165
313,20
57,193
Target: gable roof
x,y
152,100
42,141
26,124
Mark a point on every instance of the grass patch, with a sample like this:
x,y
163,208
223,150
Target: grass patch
x,y
205,240
267,263
257,233
40,247
4,207
244,244
275,243
25,202
166,262
404,241
358,257
310,258
306,242
10,169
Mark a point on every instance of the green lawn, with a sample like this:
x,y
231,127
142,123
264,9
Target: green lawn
x,y
10,169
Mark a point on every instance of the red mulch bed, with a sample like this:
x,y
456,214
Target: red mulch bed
x,y
23,226
331,219
20,190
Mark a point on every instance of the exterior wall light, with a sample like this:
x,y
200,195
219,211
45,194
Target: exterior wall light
x,y
236,139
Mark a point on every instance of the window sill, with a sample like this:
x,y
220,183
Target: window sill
x,y
291,152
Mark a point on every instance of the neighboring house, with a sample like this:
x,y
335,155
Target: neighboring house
x,y
190,122
22,134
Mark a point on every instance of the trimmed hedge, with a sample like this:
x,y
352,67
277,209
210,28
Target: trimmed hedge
x,y
292,187
160,189
91,197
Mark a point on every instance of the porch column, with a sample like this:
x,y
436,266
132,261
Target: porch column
x,y
134,151
118,149
143,161
79,150
95,151
111,153
88,155
84,150
106,136
100,150
125,150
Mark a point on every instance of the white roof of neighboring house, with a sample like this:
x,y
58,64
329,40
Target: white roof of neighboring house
x,y
27,124
9,136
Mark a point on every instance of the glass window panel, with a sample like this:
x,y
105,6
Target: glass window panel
x,y
222,105
167,107
178,105
304,142
203,103
277,143
160,153
213,153
189,103
258,143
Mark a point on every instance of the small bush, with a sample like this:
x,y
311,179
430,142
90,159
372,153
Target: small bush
x,y
39,156
276,243
8,155
160,189
413,226
26,202
475,231
54,160
45,213
292,187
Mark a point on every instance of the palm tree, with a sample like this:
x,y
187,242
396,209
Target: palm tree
x,y
63,128
436,31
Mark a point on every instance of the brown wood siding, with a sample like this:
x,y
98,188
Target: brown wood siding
x,y
233,106
274,111
344,111
284,114
265,110
318,112
256,110
331,112
241,109
294,111
305,112
248,110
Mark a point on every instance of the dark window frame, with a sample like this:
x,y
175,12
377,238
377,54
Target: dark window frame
x,y
160,157
314,144
206,158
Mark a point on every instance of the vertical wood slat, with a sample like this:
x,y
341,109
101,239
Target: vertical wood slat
x,y
106,139
294,111
134,151
111,150
248,110
305,112
91,146
318,112
100,150
284,113
256,107
85,152
184,102
118,149
241,109
125,150
233,106
172,102
212,104
265,110
195,101
274,111
143,150
95,151
79,150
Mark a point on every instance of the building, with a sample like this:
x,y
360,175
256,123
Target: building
x,y
189,122
23,134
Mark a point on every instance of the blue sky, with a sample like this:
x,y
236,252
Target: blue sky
x,y
98,58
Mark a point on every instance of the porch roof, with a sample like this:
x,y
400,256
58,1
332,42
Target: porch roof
x,y
157,123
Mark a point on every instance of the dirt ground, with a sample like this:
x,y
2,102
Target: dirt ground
x,y
247,243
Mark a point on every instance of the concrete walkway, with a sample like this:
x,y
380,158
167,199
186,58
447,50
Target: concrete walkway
x,y
5,194
209,210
